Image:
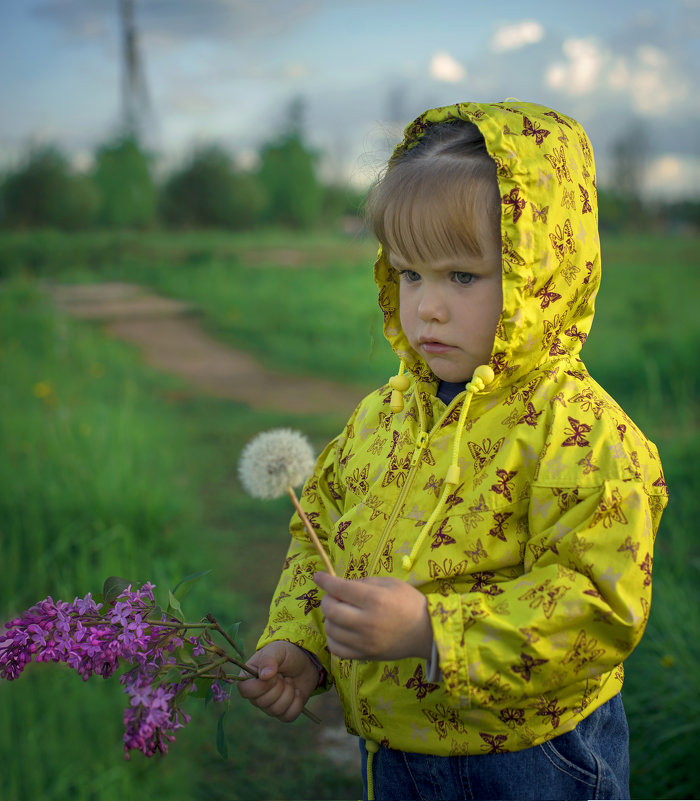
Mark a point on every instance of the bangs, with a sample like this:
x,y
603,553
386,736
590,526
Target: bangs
x,y
437,207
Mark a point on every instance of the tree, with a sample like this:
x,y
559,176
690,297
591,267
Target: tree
x,y
288,173
209,191
630,155
128,196
45,191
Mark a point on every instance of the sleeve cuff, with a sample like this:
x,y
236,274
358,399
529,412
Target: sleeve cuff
x,y
322,674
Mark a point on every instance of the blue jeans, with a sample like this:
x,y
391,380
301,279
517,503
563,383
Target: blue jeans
x,y
592,761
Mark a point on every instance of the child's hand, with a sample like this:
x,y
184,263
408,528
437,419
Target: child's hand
x,y
375,618
286,679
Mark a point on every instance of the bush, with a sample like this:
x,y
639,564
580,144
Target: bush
x,y
208,192
44,191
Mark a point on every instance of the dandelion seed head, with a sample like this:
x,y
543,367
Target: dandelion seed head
x,y
275,460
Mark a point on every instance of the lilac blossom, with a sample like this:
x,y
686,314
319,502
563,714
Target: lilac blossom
x,y
219,693
94,640
79,634
153,714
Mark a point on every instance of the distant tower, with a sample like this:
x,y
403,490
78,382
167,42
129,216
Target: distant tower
x,y
136,110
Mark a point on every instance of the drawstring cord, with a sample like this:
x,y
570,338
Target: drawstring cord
x,y
372,749
483,375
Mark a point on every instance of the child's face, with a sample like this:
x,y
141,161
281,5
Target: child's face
x,y
449,311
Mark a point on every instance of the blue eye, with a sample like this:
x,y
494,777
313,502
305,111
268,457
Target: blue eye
x,y
410,275
463,278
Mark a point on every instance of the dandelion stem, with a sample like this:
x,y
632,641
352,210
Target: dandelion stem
x,y
312,534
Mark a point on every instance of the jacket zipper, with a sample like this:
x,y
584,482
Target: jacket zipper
x,y
421,442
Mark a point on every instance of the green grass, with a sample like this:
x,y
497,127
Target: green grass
x,y
107,470
78,428
112,469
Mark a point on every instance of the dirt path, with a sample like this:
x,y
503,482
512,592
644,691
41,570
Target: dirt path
x,y
171,339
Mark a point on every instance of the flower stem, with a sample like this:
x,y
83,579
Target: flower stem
x,y
215,623
171,625
248,668
209,666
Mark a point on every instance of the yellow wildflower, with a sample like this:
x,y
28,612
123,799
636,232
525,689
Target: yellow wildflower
x,y
43,389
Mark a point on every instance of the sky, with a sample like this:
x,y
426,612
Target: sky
x,y
226,71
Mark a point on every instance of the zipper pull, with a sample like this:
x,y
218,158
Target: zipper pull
x,y
421,442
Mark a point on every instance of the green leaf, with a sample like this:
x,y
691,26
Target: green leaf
x,y
203,688
232,631
221,744
184,655
174,609
183,587
113,587
172,676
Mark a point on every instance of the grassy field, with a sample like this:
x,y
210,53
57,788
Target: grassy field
x,y
110,468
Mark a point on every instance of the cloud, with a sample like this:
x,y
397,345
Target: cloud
x,y
671,175
653,84
444,68
191,101
517,35
647,79
580,74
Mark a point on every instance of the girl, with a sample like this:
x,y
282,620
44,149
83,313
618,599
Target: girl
x,y
490,512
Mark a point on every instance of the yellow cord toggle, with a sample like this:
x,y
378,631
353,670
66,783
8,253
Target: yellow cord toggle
x,y
399,384
483,375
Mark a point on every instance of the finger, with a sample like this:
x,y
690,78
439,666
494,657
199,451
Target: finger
x,y
342,649
295,707
254,689
281,705
271,695
351,592
341,613
346,635
268,660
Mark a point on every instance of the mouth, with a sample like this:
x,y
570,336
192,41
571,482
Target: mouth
x,y
434,346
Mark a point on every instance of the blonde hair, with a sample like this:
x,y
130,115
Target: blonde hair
x,y
438,198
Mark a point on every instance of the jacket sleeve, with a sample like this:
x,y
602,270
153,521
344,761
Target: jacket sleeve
x,y
576,612
295,613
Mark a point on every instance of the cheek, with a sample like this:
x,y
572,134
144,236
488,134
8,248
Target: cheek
x,y
489,314
494,305
406,312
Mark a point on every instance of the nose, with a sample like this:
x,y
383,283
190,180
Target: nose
x,y
432,306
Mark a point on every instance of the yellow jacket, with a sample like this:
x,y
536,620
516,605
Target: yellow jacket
x,y
537,562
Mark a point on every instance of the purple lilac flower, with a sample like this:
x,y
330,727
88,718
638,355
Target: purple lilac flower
x,y
79,635
197,646
93,642
219,693
153,713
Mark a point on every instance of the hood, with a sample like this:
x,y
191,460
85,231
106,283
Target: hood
x,y
549,234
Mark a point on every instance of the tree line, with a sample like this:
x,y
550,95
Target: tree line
x,y
207,190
